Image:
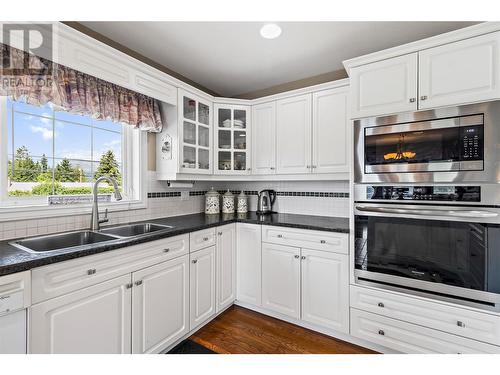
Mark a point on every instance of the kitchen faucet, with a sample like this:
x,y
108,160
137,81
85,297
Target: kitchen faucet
x,y
95,221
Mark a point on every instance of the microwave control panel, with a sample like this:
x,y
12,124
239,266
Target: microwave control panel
x,y
425,193
471,140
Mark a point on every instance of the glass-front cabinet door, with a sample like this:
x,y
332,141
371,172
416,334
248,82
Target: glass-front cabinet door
x,y
232,137
195,115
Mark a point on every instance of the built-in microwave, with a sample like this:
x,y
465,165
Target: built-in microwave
x,y
456,144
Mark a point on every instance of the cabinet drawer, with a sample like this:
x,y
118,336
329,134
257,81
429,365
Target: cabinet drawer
x,y
410,338
311,239
65,277
14,292
202,239
456,320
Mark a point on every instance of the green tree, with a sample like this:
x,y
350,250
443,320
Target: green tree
x,y
24,168
108,166
65,172
44,164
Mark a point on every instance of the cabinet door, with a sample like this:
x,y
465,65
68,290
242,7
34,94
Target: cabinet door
x,y
281,279
160,309
461,72
195,125
13,333
330,132
384,87
226,266
293,133
232,139
325,289
94,320
202,286
248,263
264,138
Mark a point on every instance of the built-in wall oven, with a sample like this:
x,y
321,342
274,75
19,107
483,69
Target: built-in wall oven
x,y
427,203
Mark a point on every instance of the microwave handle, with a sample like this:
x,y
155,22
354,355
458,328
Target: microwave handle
x,y
428,212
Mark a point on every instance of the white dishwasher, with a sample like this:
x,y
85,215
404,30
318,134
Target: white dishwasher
x,y
15,297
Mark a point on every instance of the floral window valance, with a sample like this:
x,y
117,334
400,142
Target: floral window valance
x,y
43,81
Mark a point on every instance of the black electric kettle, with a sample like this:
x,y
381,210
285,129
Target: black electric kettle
x,y
266,201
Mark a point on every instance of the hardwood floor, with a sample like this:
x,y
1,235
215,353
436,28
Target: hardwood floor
x,y
242,331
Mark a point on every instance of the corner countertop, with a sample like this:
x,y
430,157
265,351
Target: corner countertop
x,y
14,260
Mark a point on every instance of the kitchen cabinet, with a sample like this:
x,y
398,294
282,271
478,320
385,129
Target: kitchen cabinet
x,y
13,333
96,319
232,139
281,279
226,266
195,133
384,87
330,135
248,263
264,138
160,305
293,134
202,286
325,289
462,72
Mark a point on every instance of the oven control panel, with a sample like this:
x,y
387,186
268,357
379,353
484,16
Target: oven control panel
x,y
425,193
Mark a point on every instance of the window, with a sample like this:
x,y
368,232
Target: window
x,y
54,157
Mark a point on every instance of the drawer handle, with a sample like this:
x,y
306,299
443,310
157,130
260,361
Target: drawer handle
x,y
322,241
138,282
279,236
460,324
194,261
380,304
381,333
205,238
91,271
166,250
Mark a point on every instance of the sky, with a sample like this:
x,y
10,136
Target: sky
x,y
75,140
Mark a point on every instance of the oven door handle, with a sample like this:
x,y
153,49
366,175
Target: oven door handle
x,y
428,212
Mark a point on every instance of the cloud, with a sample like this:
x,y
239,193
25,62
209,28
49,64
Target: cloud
x,y
47,134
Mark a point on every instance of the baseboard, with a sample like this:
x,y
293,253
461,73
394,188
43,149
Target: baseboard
x,y
338,335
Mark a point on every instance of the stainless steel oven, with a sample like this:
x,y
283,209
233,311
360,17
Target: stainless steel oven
x,y
455,144
436,240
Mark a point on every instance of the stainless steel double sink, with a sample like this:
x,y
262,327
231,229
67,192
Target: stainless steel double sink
x,y
65,241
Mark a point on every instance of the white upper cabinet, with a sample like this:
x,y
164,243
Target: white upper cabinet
x,y
461,72
160,305
226,266
195,134
232,139
294,121
330,138
384,87
264,138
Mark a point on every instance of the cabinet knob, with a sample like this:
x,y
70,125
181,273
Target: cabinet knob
x,y
322,241
412,100
166,250
91,271
272,168
138,282
129,285
423,97
380,304
303,257
313,166
460,324
308,166
194,261
296,256
249,169
279,236
381,333
205,238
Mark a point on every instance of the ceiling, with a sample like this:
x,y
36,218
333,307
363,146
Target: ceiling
x,y
231,58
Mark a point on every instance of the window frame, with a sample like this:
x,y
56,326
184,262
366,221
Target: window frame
x,y
134,147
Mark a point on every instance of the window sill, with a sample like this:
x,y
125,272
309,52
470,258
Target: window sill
x,y
12,213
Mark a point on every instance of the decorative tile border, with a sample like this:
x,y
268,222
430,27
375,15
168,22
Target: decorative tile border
x,y
311,194
172,194
165,194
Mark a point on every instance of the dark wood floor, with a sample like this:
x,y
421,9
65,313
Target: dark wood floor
x,y
243,331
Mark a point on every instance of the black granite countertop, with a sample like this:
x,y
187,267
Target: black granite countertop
x,y
14,260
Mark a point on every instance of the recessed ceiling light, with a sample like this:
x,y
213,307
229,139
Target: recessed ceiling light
x,y
270,31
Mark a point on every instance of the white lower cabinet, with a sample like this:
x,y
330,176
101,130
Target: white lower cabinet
x,y
281,279
13,333
96,319
202,286
325,292
248,263
410,338
226,266
160,308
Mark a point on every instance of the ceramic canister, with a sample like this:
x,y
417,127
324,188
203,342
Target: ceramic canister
x,y
228,203
212,202
242,203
